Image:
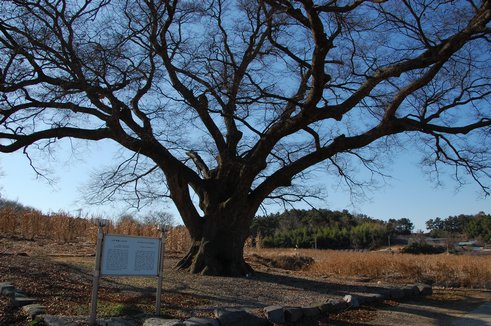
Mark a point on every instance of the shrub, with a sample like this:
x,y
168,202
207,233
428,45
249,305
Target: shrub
x,y
288,262
292,263
422,248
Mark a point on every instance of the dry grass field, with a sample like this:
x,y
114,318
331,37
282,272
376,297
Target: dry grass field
x,y
441,270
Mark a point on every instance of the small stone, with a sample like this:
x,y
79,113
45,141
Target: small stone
x,y
410,291
58,321
34,310
376,297
334,305
162,322
196,321
7,289
293,314
220,312
311,311
118,322
275,314
366,298
352,301
324,308
5,285
425,289
22,301
396,293
20,294
237,317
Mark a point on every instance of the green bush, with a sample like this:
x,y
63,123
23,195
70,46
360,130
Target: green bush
x,y
422,248
368,235
322,229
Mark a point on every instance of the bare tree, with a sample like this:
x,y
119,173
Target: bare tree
x,y
235,102
159,218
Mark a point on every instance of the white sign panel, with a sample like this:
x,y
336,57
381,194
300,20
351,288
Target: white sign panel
x,y
129,255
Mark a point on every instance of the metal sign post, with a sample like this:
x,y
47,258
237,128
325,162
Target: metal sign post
x,y
97,270
161,270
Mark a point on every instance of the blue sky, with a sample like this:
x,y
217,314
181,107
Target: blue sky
x,y
409,193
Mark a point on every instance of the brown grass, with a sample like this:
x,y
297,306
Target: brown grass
x,y
63,228
441,270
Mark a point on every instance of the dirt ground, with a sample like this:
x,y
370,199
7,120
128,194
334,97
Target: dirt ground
x,y
60,276
444,307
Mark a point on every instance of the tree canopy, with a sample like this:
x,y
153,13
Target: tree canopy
x,y
476,226
225,104
325,229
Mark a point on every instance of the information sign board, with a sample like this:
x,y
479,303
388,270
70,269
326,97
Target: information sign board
x,y
130,256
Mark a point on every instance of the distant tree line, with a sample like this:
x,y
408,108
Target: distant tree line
x,y
471,226
325,229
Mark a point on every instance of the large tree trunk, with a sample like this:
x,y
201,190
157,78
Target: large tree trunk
x,y
220,249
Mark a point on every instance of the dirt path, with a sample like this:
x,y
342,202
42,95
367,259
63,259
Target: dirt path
x,y
444,307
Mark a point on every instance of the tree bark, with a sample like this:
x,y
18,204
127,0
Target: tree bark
x,y
220,249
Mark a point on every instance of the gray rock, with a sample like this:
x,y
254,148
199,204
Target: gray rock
x,y
352,301
311,311
293,314
20,301
118,321
381,296
221,312
384,293
6,288
275,314
34,310
366,298
197,321
425,289
20,294
325,308
191,323
333,306
410,291
112,322
162,322
50,320
396,293
237,317
375,297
